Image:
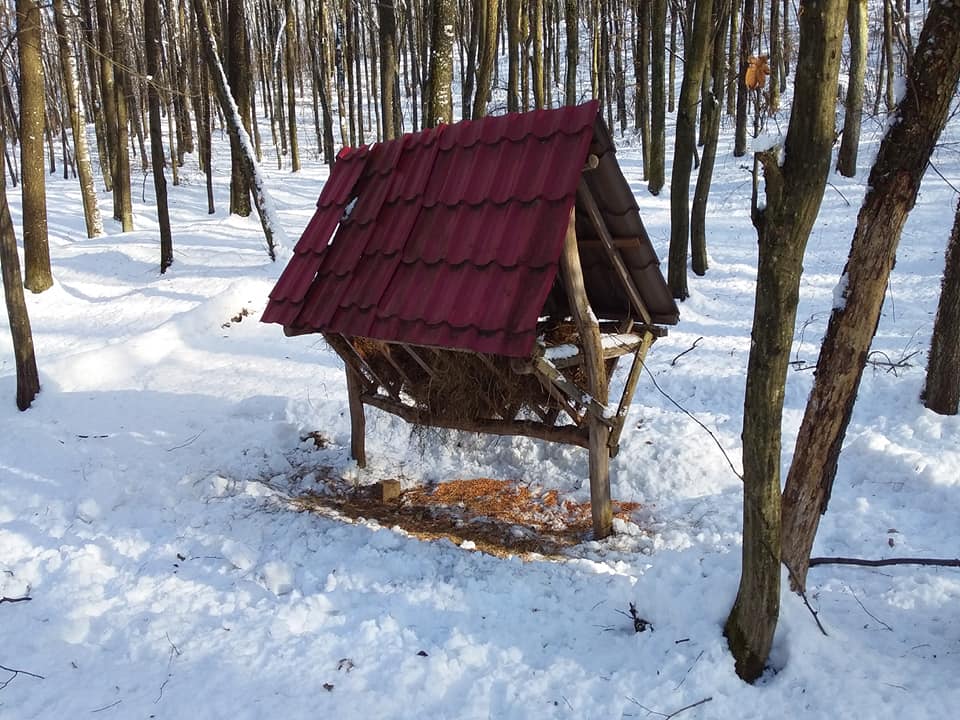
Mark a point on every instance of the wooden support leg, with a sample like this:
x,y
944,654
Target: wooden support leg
x,y
600,505
358,423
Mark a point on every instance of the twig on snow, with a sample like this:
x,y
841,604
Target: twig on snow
x,y
684,679
14,674
667,716
798,586
865,609
188,442
107,707
692,347
938,562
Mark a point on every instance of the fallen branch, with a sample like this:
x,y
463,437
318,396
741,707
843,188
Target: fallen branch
x,y
938,562
692,347
25,598
14,675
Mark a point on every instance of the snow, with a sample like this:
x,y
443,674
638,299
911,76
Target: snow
x,y
145,501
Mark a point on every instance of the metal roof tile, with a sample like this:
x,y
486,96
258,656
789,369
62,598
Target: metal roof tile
x,y
456,235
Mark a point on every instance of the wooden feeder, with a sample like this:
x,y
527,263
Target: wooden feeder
x,y
484,276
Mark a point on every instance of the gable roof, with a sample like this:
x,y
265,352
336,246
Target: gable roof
x,y
451,237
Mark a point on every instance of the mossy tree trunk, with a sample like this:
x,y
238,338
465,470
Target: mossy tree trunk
x,y
893,185
794,191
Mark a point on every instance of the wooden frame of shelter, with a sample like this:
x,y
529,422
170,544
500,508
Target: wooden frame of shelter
x,y
557,392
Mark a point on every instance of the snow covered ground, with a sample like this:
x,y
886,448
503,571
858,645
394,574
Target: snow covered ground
x,y
143,501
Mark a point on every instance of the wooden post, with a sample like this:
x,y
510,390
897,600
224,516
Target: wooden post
x,y
589,329
358,423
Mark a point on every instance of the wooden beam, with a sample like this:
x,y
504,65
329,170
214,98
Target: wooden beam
x,y
628,389
593,212
589,330
346,350
566,434
549,372
358,423
419,360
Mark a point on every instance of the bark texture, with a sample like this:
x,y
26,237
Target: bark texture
x,y
893,185
850,142
28,380
793,195
36,249
942,390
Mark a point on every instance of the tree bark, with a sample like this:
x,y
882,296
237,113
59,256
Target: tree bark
x,y
91,213
892,191
238,77
698,50
441,64
290,60
513,55
36,248
747,22
571,17
28,380
122,198
850,142
152,40
793,195
710,114
387,15
272,232
488,57
658,100
942,390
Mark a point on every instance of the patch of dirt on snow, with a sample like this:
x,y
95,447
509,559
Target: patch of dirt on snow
x,y
499,517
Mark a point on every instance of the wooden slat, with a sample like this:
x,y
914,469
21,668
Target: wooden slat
x,y
568,434
593,212
628,389
419,360
609,353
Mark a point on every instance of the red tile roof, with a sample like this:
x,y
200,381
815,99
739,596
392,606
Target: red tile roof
x,y
448,237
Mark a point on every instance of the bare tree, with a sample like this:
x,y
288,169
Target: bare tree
x,y
794,190
152,39
892,191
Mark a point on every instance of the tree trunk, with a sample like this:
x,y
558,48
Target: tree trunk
x,y
28,380
91,213
122,197
641,71
849,144
488,58
290,60
536,40
272,231
238,77
441,64
658,100
152,40
571,17
698,50
942,390
892,191
793,195
513,55
710,114
387,15
743,93
36,248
